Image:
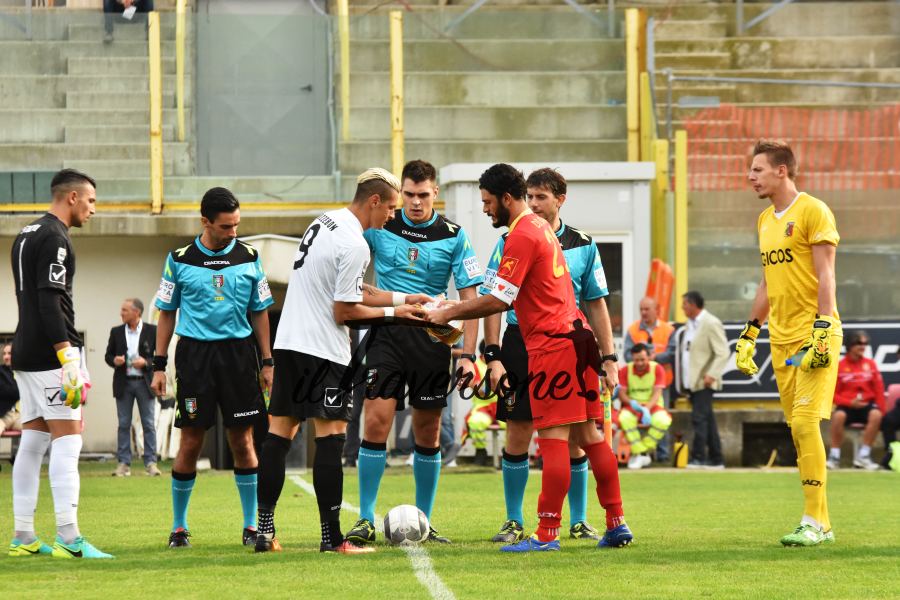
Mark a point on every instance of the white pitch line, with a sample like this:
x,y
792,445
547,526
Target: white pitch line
x,y
418,556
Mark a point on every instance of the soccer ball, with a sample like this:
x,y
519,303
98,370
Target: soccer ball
x,y
405,524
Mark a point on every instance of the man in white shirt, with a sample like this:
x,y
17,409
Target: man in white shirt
x,y
704,354
312,352
130,353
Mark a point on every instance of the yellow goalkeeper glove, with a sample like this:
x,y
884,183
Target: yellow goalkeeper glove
x,y
72,381
818,353
745,347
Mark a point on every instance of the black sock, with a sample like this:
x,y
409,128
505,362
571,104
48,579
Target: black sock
x,y
578,461
270,480
514,458
328,481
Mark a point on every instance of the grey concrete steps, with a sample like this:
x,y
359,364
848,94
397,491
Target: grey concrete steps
x,y
47,58
31,157
523,23
114,134
247,189
126,32
690,29
356,156
491,89
49,125
103,169
692,60
492,55
116,100
119,65
504,123
50,91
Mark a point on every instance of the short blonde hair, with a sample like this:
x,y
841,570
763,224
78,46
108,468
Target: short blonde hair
x,y
375,181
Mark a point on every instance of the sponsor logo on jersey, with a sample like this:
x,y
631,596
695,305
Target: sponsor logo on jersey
x,y
57,274
210,263
507,267
61,255
471,266
263,291
490,276
249,413
789,230
414,234
600,276
412,255
166,289
777,257
190,405
218,281
333,398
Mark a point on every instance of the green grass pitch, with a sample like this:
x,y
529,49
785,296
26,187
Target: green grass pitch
x,y
698,534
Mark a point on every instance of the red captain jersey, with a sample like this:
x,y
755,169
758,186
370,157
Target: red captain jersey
x,y
534,278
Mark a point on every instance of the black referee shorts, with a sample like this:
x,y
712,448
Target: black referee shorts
x,y
406,364
309,387
223,373
516,406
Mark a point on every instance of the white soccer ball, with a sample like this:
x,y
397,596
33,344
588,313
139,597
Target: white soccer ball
x,y
405,524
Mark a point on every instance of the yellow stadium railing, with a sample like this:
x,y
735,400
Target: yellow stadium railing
x,y
156,145
179,64
681,220
397,143
632,84
343,11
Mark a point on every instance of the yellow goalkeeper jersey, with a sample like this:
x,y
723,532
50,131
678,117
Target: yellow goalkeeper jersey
x,y
785,248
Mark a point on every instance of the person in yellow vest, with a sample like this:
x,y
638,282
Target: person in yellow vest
x,y
483,413
641,383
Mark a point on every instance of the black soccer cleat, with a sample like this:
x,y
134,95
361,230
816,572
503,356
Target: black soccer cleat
x,y
510,533
362,533
266,542
434,536
248,536
179,538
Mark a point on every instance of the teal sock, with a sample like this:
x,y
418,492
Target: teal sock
x,y
245,479
578,490
370,464
182,486
515,478
426,471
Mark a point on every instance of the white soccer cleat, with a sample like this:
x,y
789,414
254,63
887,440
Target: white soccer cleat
x,y
865,463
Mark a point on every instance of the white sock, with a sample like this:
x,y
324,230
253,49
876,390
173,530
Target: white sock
x,y
835,453
65,484
808,520
26,481
865,451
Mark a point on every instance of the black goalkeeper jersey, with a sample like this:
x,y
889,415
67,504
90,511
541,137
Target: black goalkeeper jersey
x,y
42,259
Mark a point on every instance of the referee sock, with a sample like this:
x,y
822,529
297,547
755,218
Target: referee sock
x,y
245,479
26,480
426,472
370,462
328,481
65,484
606,472
578,490
515,478
555,480
182,486
270,480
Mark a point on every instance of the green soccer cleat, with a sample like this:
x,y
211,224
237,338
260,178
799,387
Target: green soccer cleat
x,y
80,548
804,535
511,532
828,536
35,548
582,530
362,533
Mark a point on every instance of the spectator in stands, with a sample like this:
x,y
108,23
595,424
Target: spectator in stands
x,y
704,355
641,383
657,336
130,352
858,400
889,426
9,394
114,7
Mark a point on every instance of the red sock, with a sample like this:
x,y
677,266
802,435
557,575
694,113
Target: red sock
x,y
606,473
555,480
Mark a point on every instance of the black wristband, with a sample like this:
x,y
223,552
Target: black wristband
x,y
268,362
610,357
471,357
491,352
160,363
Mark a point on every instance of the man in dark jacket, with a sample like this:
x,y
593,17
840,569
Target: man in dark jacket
x,y
130,353
9,394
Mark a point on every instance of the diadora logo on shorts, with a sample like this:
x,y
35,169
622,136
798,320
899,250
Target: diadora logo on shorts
x,y
333,398
775,257
249,413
